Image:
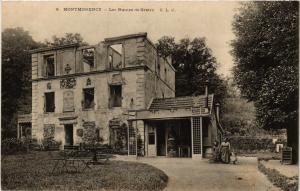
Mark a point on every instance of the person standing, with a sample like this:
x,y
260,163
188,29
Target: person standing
x,y
216,152
225,151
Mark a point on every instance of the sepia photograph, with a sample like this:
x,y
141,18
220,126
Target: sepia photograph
x,y
150,95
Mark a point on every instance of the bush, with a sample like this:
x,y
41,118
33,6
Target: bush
x,y
14,145
50,144
243,144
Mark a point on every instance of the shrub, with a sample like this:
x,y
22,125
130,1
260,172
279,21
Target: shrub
x,y
243,144
14,145
50,144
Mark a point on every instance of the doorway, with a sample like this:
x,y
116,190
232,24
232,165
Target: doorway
x,y
69,134
161,141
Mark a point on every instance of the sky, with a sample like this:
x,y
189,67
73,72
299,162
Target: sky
x,y
211,20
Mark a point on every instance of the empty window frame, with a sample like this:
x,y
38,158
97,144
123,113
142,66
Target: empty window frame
x,y
151,138
49,65
49,102
115,56
88,98
88,56
115,95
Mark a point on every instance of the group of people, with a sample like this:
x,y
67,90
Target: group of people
x,y
223,153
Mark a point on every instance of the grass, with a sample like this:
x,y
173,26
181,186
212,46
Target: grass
x,y
32,172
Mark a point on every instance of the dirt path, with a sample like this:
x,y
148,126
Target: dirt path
x,y
189,174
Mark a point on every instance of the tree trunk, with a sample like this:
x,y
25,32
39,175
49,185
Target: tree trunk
x,y
292,140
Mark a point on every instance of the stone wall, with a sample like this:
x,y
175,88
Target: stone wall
x,y
100,114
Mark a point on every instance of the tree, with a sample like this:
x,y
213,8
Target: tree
x,y
16,75
266,63
69,38
194,64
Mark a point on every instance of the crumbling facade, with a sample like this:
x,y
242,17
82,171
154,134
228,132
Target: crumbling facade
x,y
106,93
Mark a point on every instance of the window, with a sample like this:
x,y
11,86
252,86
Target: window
x,y
115,57
151,138
49,64
88,98
115,95
49,102
88,56
110,61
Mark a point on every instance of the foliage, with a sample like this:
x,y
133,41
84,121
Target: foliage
x,y
238,117
32,172
16,75
244,144
50,144
278,179
266,59
194,65
14,145
266,51
68,38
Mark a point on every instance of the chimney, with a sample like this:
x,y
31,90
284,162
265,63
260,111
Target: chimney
x,y
218,111
206,94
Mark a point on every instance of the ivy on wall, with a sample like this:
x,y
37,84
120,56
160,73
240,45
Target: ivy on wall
x,y
89,132
49,131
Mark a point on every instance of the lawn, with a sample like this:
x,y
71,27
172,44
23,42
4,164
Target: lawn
x,y
32,172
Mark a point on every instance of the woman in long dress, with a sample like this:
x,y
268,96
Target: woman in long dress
x,y
225,151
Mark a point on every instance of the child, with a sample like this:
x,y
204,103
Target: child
x,y
233,158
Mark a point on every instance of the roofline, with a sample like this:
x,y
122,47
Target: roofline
x,y
111,39
54,48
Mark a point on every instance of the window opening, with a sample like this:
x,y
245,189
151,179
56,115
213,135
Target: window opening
x,y
115,56
49,61
88,59
49,102
116,95
88,96
151,138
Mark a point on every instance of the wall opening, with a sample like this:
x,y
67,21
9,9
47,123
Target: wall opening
x,y
88,98
115,95
88,56
115,56
69,140
49,102
49,65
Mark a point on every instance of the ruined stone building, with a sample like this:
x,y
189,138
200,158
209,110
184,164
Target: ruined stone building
x,y
119,92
